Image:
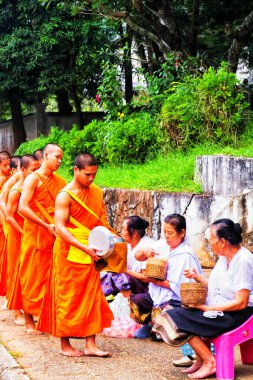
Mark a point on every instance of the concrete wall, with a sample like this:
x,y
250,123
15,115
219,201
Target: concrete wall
x,y
200,210
40,123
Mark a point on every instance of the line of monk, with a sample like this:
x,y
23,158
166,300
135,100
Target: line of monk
x,y
40,219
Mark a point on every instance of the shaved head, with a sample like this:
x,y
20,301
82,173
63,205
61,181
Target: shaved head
x,y
4,155
38,154
85,159
27,159
15,161
49,148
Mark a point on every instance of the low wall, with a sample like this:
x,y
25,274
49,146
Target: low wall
x,y
40,123
200,210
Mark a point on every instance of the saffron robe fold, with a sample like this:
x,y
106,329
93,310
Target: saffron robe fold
x,y
3,255
79,307
13,257
37,246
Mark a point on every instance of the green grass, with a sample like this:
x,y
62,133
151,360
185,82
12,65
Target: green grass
x,y
173,172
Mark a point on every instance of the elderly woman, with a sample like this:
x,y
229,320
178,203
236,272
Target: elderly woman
x,y
229,301
134,233
174,248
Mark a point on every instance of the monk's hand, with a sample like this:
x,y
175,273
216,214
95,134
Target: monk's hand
x,y
92,252
51,229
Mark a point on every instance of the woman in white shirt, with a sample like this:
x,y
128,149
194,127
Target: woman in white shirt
x,y
229,299
174,248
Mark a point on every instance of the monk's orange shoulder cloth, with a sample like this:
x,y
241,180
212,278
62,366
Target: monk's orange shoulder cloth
x,y
36,248
78,306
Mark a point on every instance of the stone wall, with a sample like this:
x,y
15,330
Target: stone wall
x,y
200,210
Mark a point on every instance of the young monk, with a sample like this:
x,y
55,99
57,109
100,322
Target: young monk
x,y
15,177
5,172
39,155
28,164
37,206
80,309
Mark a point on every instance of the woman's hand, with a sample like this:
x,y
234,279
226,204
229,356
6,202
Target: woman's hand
x,y
190,273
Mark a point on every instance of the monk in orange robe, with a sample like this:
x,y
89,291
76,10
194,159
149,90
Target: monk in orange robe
x,y
28,164
79,307
37,206
15,176
5,172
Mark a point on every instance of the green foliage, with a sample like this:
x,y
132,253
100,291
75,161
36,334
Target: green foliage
x,y
171,70
110,90
55,136
198,109
134,139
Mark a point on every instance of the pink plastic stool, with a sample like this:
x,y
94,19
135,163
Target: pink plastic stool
x,y
224,349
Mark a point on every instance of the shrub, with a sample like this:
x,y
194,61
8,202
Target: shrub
x,y
211,107
133,139
29,147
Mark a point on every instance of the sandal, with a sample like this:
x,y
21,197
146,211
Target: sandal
x,y
185,361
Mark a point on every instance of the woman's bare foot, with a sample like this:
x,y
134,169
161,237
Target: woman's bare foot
x,y
193,368
19,318
97,352
68,350
207,369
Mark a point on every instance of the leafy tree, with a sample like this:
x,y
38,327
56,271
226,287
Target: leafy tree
x,y
217,29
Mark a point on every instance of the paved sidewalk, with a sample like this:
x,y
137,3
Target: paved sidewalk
x,y
38,358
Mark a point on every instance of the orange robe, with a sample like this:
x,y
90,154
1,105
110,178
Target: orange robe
x,y
36,248
3,255
13,257
79,307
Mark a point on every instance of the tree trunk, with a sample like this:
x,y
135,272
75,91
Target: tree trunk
x,y
241,37
194,28
128,67
64,106
17,118
80,120
141,53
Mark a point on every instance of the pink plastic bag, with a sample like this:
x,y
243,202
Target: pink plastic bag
x,y
122,328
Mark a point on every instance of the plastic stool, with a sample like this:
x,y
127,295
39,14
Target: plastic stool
x,y
224,348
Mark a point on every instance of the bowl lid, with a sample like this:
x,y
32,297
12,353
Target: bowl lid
x,y
100,237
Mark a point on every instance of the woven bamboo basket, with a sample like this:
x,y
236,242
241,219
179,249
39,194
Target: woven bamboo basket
x,y
193,294
156,268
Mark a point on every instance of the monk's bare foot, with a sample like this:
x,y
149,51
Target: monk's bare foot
x,y
4,307
68,350
71,352
19,318
193,368
94,351
31,330
207,369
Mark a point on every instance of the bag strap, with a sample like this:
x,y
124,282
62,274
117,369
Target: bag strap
x,y
44,182
77,199
44,212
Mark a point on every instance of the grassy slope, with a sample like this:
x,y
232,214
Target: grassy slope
x,y
173,173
